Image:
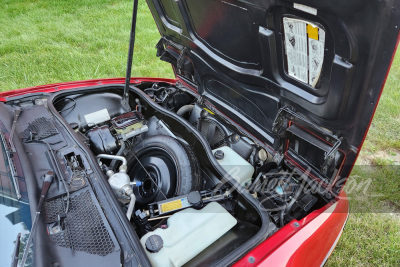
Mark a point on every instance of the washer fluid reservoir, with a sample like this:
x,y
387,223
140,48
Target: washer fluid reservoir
x,y
241,170
189,232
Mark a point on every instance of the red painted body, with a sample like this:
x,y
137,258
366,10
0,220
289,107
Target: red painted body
x,y
309,244
51,88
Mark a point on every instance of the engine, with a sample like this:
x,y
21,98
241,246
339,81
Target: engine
x,y
144,154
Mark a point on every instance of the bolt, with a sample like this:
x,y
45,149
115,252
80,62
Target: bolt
x,y
252,259
235,138
296,224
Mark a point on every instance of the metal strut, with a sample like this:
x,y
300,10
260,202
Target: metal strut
x,y
125,98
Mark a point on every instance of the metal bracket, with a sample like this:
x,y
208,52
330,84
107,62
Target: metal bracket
x,y
181,59
281,125
160,47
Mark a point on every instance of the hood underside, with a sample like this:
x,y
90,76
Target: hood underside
x,y
326,60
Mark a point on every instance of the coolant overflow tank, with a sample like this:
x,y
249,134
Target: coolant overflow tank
x,y
236,166
189,232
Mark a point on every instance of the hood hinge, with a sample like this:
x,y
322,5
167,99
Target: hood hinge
x,y
181,59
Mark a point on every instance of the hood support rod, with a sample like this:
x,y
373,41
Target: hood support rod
x,y
125,97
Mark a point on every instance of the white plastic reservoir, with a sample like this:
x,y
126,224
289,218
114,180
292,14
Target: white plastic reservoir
x,y
236,166
189,232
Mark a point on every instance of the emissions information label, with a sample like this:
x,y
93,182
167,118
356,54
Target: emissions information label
x,y
304,46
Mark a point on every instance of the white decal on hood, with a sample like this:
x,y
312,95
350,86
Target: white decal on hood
x,y
304,46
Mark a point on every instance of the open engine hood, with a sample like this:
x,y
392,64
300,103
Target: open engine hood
x,y
255,60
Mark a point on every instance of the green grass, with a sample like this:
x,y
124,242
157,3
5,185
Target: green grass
x,y
385,131
45,41
372,239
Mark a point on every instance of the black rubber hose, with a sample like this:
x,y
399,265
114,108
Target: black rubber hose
x,y
267,167
119,153
184,110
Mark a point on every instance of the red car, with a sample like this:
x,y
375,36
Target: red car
x,y
240,160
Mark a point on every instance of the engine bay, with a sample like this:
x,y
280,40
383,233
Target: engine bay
x,y
161,176
193,186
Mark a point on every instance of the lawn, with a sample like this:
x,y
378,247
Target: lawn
x,y
372,239
44,42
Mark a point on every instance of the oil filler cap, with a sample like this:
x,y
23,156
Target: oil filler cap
x,y
154,243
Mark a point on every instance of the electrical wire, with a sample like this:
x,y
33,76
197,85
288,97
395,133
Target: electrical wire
x,y
66,98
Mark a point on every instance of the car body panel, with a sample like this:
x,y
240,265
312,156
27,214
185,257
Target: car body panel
x,y
51,88
233,53
308,244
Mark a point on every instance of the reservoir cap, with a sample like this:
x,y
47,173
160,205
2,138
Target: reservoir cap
x,y
154,243
219,154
